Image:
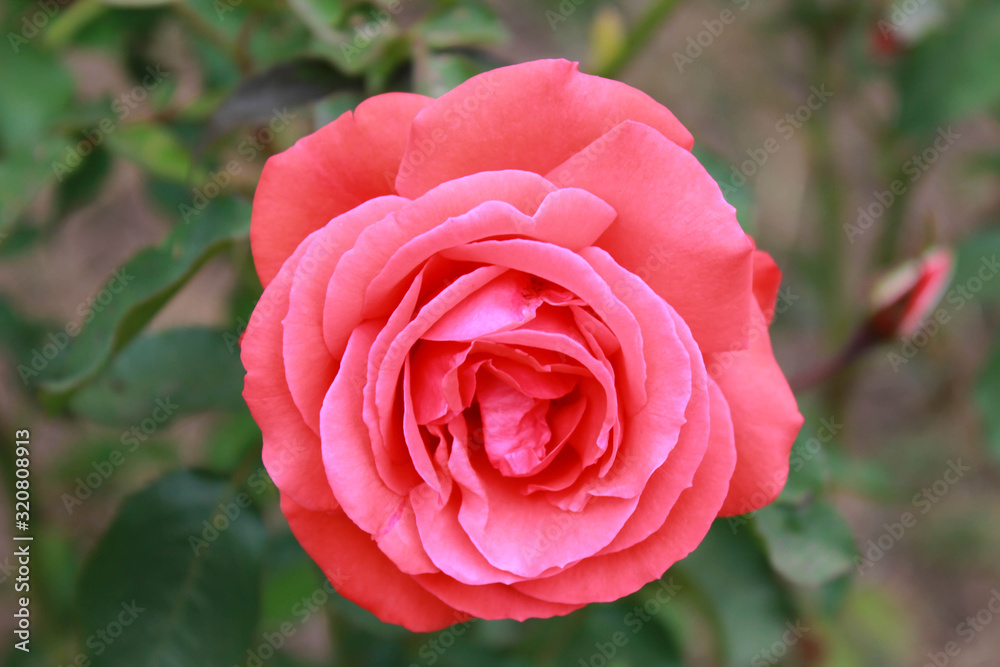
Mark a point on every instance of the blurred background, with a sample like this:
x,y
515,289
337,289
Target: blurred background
x,y
851,136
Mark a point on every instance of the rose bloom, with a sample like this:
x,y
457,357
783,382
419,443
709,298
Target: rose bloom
x,y
512,355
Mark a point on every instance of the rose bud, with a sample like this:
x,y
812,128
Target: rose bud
x,y
903,298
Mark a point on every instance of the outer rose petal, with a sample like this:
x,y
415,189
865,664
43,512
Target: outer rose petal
x,y
309,366
766,419
674,228
291,449
329,172
530,117
493,601
361,573
766,281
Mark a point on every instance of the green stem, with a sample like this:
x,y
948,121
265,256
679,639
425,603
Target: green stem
x,y
892,224
831,210
646,26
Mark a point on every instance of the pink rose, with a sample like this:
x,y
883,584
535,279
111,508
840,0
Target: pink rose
x,y
512,355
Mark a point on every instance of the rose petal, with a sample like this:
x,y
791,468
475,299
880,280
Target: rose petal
x,y
570,218
350,466
492,601
766,280
765,416
566,269
385,363
674,228
353,159
668,480
530,117
309,366
608,577
362,574
291,451
345,297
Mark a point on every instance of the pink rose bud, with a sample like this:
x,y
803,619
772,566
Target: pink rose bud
x,y
903,298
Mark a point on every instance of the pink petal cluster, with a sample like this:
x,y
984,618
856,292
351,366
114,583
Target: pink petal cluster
x,y
512,356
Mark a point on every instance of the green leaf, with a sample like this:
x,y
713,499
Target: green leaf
x,y
24,174
461,24
807,543
320,16
17,333
180,599
36,90
83,184
138,4
266,95
131,460
633,631
809,460
67,23
155,149
290,576
231,441
952,73
150,279
18,238
361,40
987,395
190,370
444,71
747,604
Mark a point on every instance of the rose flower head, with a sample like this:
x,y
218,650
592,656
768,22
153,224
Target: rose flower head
x,y
512,355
